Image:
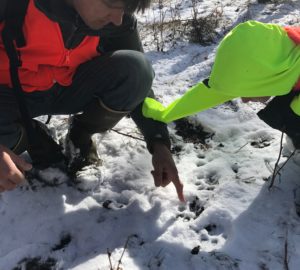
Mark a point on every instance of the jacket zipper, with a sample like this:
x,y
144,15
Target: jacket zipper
x,y
71,39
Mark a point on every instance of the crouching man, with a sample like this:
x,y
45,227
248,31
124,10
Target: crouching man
x,y
83,58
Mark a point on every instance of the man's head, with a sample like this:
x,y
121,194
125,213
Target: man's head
x,y
98,13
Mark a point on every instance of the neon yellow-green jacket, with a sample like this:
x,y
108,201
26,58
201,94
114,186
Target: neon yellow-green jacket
x,y
253,60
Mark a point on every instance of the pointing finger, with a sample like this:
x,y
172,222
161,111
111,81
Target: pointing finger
x,y
179,189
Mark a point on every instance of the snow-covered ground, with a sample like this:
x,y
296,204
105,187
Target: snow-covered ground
x,y
230,220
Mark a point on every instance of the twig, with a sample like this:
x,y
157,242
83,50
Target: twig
x,y
240,148
127,135
269,167
124,249
109,258
289,157
158,259
275,172
286,251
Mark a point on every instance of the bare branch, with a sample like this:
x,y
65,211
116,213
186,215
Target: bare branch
x,y
240,148
275,172
127,135
124,249
286,251
276,168
109,258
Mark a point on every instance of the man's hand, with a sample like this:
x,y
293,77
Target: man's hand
x,y
165,170
11,169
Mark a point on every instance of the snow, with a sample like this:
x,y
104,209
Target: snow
x,y
231,220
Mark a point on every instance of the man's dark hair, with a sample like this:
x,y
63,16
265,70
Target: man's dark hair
x,y
136,5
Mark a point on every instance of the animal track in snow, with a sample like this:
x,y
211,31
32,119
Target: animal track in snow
x,y
207,182
196,207
36,263
64,242
212,236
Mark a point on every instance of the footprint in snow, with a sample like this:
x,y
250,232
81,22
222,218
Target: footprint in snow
x,y
207,182
196,207
65,240
36,264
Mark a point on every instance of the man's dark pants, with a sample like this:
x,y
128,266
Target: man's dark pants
x,y
120,79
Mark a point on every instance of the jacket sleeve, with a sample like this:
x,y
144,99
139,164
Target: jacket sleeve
x,y
153,131
279,115
197,99
126,36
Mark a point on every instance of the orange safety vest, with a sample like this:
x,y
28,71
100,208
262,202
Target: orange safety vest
x,y
45,60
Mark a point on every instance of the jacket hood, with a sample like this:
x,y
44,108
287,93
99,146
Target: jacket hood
x,y
256,59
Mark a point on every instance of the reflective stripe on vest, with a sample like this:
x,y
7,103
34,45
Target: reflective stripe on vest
x,y
45,60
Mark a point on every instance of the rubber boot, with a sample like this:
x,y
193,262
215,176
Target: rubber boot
x,y
46,156
80,148
44,152
22,144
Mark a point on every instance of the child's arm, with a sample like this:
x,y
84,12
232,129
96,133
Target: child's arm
x,y
199,98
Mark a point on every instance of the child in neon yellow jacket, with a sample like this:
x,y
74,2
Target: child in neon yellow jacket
x,y
253,60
